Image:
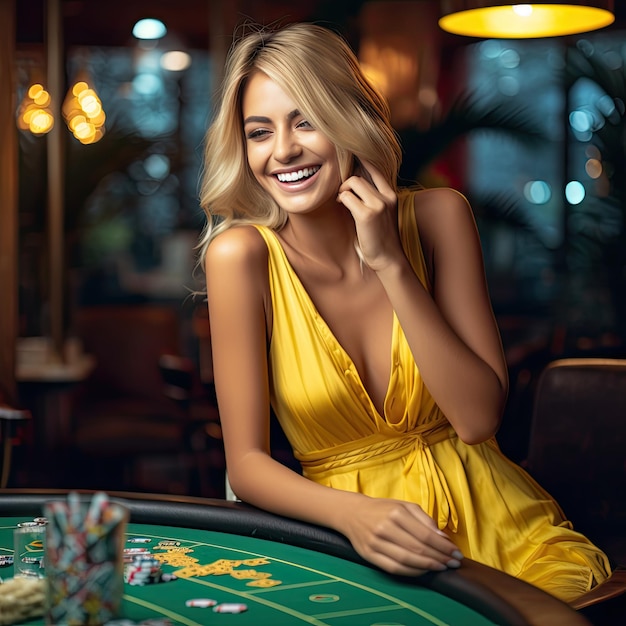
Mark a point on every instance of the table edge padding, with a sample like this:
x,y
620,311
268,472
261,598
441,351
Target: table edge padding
x,y
502,598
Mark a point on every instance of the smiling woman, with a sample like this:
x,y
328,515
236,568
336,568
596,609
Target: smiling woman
x,y
360,312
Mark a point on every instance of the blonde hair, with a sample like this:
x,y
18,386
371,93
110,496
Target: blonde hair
x,y
320,72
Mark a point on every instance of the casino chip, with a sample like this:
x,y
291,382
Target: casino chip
x,y
203,603
130,554
230,608
136,550
166,577
142,571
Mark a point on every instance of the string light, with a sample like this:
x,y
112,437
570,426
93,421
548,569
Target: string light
x,y
83,113
35,114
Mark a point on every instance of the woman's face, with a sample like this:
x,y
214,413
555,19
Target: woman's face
x,y
295,163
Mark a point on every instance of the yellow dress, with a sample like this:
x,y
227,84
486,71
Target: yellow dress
x,y
491,508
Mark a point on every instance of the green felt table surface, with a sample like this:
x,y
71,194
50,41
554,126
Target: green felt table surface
x,y
306,587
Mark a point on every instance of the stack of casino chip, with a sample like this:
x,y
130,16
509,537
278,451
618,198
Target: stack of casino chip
x,y
144,569
6,560
21,599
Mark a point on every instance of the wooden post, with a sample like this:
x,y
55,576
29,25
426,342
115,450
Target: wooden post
x,y
223,17
8,204
56,181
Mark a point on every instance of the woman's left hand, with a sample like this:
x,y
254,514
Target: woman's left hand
x,y
374,207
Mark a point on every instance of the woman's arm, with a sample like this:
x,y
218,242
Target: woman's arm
x,y
397,536
468,370
452,334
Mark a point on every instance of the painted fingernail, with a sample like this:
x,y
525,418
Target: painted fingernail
x,y
457,554
453,563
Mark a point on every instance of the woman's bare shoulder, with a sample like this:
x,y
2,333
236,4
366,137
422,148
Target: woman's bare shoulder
x,y
238,246
442,209
236,270
439,199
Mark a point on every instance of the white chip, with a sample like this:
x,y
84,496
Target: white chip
x,y
230,608
203,603
136,550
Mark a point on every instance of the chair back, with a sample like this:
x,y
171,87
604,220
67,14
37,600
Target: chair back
x,y
127,342
577,447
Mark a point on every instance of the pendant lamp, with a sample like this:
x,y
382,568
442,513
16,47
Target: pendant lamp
x,y
518,20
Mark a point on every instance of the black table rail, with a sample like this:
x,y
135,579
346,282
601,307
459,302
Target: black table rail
x,y
502,598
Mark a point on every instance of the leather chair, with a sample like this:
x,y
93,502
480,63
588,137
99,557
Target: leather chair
x,y
577,452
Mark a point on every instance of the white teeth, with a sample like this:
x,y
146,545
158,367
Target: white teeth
x,y
290,177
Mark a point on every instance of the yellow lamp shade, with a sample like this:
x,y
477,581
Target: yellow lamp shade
x,y
517,20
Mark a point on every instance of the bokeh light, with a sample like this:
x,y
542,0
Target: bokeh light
x,y
175,61
34,113
537,191
83,113
574,192
593,167
149,28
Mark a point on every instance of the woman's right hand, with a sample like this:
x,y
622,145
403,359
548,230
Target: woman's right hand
x,y
399,537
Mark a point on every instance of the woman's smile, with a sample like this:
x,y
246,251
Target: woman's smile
x,y
297,175
294,162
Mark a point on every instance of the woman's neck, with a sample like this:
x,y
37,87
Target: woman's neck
x,y
327,238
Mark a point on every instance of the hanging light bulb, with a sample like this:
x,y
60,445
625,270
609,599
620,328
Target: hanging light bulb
x,y
517,20
35,112
83,113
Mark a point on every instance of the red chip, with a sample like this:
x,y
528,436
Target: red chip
x,y
203,603
230,608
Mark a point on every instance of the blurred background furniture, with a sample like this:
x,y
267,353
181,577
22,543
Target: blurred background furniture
x,y
577,451
9,418
121,418
45,384
577,448
205,463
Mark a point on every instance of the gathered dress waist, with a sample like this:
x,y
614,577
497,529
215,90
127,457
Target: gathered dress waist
x,y
367,451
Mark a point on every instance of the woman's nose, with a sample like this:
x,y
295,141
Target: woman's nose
x,y
286,147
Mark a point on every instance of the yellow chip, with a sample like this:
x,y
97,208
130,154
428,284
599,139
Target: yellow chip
x,y
264,582
244,573
255,562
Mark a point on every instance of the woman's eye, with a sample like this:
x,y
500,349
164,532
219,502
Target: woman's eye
x,y
257,133
303,124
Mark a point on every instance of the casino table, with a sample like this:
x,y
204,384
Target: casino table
x,y
287,572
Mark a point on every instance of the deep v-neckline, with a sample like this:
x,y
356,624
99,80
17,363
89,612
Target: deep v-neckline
x,y
331,339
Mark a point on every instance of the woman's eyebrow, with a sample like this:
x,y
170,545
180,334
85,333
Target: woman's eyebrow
x,y
260,119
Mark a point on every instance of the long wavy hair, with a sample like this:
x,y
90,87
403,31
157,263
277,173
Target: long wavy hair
x,y
320,72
